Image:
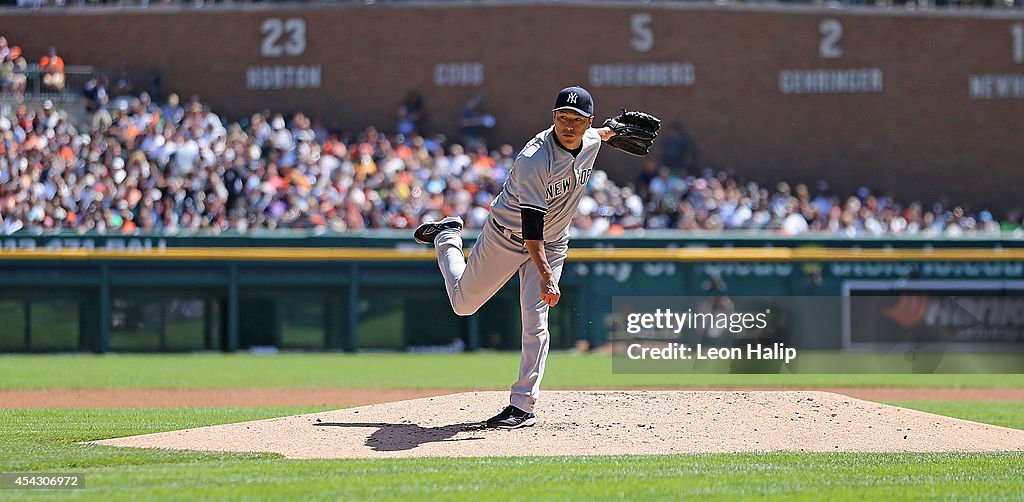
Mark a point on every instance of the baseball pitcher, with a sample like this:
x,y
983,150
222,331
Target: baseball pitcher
x,y
528,232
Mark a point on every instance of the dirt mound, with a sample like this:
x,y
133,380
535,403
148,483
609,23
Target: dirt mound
x,y
599,423
332,396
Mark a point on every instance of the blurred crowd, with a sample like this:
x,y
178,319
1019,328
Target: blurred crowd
x,y
143,167
177,167
716,200
14,70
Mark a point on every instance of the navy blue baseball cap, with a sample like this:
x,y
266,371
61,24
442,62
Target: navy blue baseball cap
x,y
576,99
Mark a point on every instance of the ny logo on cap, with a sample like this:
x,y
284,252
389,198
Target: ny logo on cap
x,y
572,97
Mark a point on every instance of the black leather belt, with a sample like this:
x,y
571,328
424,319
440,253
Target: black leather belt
x,y
508,233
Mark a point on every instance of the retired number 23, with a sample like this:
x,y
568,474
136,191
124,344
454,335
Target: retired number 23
x,y
283,37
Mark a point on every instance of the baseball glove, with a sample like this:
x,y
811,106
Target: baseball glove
x,y
634,132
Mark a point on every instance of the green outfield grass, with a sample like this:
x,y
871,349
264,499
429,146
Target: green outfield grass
x,y
46,441
485,370
1004,413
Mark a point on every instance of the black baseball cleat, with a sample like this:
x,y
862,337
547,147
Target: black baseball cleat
x,y
512,418
427,232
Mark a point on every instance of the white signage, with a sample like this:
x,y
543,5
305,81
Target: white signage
x,y
831,33
996,86
643,37
283,77
642,75
283,37
831,81
458,74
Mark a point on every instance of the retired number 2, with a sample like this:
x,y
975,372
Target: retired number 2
x,y
831,31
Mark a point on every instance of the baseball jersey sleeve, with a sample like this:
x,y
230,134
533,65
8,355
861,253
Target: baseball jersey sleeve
x,y
531,178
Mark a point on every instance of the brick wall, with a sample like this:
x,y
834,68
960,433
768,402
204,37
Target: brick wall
x,y
920,137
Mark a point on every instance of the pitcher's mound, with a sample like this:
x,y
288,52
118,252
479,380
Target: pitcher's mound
x,y
599,423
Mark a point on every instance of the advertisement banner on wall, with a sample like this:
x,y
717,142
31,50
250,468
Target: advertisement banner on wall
x,y
939,315
886,328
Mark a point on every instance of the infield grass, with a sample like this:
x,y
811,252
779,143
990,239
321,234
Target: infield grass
x,y
46,440
40,440
481,371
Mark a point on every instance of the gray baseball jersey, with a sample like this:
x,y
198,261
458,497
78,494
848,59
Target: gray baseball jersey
x,y
547,178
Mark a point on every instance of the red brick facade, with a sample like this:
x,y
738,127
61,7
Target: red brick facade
x,y
910,128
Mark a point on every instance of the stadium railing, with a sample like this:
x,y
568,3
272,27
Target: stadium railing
x,y
75,78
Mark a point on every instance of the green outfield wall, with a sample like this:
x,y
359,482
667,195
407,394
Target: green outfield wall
x,y
376,291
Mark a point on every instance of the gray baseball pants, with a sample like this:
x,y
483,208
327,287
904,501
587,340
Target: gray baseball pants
x,y
492,262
